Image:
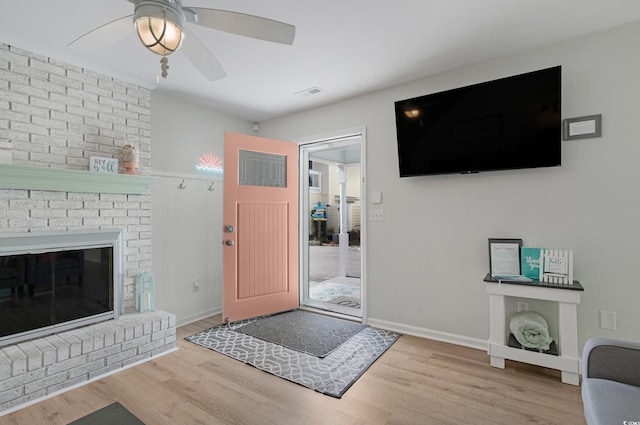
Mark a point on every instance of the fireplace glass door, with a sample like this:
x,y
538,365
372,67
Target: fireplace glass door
x,y
46,289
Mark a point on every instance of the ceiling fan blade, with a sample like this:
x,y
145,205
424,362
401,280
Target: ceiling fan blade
x,y
105,35
201,57
242,24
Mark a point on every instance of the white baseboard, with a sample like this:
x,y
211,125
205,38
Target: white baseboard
x,y
464,341
181,321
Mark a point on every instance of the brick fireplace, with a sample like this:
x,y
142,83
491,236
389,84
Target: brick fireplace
x,y
54,116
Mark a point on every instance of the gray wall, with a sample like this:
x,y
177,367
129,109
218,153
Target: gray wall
x,y
182,131
428,258
187,223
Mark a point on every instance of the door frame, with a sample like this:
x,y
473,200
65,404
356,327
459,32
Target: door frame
x,y
303,187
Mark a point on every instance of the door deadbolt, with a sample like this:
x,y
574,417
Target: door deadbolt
x,y
228,228
229,242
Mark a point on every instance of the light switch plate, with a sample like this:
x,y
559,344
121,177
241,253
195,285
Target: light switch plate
x,y
376,197
376,215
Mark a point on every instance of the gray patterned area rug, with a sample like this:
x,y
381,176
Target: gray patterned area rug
x,y
332,375
310,333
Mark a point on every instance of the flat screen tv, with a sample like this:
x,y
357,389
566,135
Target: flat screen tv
x,y
504,124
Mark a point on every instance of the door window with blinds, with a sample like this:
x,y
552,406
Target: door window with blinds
x,y
262,169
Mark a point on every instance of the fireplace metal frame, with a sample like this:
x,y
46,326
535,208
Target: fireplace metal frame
x,y
37,243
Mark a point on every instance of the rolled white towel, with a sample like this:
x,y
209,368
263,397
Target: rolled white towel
x,y
531,330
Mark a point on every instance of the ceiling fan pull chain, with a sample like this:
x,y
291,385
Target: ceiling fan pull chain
x,y
164,66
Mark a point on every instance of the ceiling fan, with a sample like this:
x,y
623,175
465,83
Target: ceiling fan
x,y
162,26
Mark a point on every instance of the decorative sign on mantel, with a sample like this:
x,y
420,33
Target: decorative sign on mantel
x,y
556,266
103,165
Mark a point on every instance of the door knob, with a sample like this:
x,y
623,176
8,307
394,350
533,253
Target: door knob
x,y
229,242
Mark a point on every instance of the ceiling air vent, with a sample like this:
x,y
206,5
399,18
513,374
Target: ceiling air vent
x,y
308,92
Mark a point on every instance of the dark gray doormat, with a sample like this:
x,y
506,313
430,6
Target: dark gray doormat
x,y
331,375
311,333
113,414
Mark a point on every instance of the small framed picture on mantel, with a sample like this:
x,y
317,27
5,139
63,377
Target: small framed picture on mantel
x,y
504,257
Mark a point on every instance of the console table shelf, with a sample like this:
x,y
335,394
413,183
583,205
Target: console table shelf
x,y
566,296
64,180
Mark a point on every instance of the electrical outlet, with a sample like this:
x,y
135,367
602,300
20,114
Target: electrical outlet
x,y
196,286
523,306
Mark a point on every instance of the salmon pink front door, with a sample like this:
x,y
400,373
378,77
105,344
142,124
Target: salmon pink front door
x,y
260,226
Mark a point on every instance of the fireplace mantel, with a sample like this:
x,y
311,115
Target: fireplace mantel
x,y
63,180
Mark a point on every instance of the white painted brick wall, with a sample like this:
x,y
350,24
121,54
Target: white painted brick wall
x,y
57,115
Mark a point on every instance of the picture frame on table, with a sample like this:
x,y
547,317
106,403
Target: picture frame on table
x,y
504,257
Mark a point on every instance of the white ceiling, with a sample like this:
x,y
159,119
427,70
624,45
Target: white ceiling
x,y
344,47
339,156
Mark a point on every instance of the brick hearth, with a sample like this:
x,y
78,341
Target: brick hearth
x,y
41,367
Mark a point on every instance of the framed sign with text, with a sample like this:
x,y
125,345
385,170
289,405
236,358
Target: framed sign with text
x,y
504,257
103,165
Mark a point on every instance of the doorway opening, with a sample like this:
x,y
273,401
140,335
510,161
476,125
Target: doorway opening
x,y
332,225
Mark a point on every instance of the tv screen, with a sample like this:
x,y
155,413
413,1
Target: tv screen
x,y
509,123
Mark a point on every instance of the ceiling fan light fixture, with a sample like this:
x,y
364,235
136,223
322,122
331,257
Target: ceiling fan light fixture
x,y
159,35
159,26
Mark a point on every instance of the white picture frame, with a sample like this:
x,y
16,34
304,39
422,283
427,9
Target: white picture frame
x,y
556,266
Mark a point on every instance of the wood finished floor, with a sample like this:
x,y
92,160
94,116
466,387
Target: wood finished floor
x,y
417,381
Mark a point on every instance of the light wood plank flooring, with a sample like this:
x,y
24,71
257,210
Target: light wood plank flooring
x,y
417,381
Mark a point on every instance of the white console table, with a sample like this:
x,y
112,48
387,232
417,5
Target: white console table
x,y
566,296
